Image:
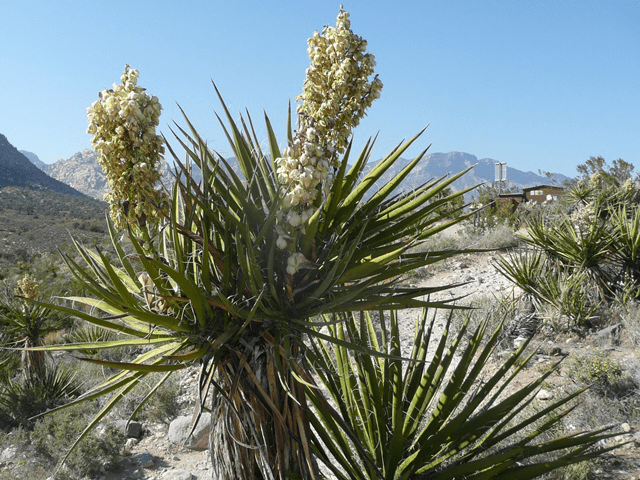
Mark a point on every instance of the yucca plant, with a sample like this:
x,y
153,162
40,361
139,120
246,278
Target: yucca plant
x,y
625,223
26,396
231,272
442,413
572,291
24,325
585,257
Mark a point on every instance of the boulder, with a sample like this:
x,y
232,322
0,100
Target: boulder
x,y
132,429
199,439
177,474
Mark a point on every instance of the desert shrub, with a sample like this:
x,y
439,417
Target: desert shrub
x,y
164,405
499,237
605,376
160,407
587,470
630,316
100,450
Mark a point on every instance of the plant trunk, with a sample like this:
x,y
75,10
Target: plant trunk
x,y
259,430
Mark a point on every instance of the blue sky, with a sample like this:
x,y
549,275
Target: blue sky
x,y
539,84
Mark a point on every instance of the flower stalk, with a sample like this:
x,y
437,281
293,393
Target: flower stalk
x,y
336,94
123,124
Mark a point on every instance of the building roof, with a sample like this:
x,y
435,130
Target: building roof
x,y
511,195
542,187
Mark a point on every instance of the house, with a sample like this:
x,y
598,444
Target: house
x,y
537,194
542,193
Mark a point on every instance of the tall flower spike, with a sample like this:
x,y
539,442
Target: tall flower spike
x,y
335,96
123,124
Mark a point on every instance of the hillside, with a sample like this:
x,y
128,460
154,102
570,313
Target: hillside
x,y
83,172
40,221
16,170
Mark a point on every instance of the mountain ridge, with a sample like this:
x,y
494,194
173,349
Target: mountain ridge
x,y
33,158
83,172
18,171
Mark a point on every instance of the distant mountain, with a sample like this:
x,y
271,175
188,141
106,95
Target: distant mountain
x,y
436,165
16,170
33,158
83,172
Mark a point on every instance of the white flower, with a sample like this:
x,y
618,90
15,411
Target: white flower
x,y
336,93
281,243
294,219
294,262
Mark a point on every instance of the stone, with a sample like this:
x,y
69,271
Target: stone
x,y
177,474
130,443
199,439
609,334
9,454
132,430
543,395
145,460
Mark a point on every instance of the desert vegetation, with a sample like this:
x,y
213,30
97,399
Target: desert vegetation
x,y
286,286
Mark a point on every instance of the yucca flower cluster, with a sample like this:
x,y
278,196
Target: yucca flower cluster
x,y
27,287
123,124
336,94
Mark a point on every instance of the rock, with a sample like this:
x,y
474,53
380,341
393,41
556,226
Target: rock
x,y
543,395
9,454
625,427
132,429
609,334
177,474
179,432
145,460
517,342
131,442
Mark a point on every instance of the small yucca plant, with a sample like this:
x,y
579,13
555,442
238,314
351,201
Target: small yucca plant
x,y
23,326
441,413
585,257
